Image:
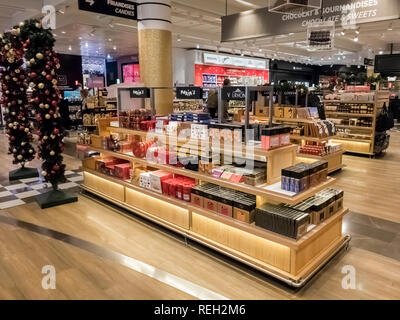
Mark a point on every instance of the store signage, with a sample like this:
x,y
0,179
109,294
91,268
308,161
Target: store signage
x,y
95,82
140,93
189,93
223,60
345,13
117,8
234,93
369,62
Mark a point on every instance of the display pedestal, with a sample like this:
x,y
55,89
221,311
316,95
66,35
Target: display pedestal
x,y
23,173
55,198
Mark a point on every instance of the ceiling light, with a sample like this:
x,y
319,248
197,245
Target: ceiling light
x,y
179,39
245,3
260,50
80,38
357,31
63,32
86,45
54,34
109,39
70,48
390,28
109,56
198,46
381,52
115,48
355,39
343,33
61,11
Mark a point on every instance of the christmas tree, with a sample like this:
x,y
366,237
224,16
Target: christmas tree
x,y
42,64
14,86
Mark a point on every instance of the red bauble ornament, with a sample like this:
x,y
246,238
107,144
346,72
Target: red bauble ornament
x,y
54,103
53,172
47,67
48,77
56,167
56,131
36,99
33,75
28,41
47,92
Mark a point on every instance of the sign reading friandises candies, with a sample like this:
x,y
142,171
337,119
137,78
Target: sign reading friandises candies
x,y
117,8
189,93
140,93
344,13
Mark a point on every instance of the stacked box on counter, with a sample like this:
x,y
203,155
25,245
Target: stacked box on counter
x,y
252,177
114,167
198,117
322,205
303,176
225,201
283,220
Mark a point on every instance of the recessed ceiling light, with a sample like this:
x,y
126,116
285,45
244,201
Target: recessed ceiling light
x,y
63,32
198,46
109,56
115,48
381,52
357,31
179,39
70,48
355,39
260,50
80,38
86,44
109,39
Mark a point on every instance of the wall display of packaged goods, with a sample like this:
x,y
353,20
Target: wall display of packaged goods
x,y
238,211
355,116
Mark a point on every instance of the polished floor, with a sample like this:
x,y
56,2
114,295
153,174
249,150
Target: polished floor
x,y
100,253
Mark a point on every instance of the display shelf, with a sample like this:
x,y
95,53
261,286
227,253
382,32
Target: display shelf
x,y
289,260
354,127
312,139
348,102
261,190
360,146
334,159
360,115
171,140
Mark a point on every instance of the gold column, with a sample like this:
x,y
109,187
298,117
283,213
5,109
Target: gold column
x,y
155,50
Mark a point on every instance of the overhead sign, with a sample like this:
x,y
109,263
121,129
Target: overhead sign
x,y
139,93
95,82
117,8
223,60
189,93
369,62
344,13
234,93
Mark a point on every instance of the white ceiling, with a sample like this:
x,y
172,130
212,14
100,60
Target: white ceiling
x,y
195,23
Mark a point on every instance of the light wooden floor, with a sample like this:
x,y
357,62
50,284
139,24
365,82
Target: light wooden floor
x,y
83,275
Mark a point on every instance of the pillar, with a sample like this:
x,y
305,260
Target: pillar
x,y
155,50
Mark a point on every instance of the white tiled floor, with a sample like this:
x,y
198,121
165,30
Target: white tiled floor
x,y
67,185
41,186
27,194
16,186
29,180
10,204
5,194
76,179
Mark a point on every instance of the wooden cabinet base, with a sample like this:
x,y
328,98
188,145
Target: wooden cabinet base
x,y
289,260
335,160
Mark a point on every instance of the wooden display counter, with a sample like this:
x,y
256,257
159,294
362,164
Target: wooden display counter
x,y
292,261
289,260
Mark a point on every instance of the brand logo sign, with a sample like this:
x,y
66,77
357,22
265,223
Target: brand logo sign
x,y
189,93
140,93
234,93
235,61
117,8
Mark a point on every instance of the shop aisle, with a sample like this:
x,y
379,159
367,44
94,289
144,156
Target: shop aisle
x,y
85,273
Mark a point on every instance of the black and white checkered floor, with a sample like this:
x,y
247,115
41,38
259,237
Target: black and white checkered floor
x,y
19,192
